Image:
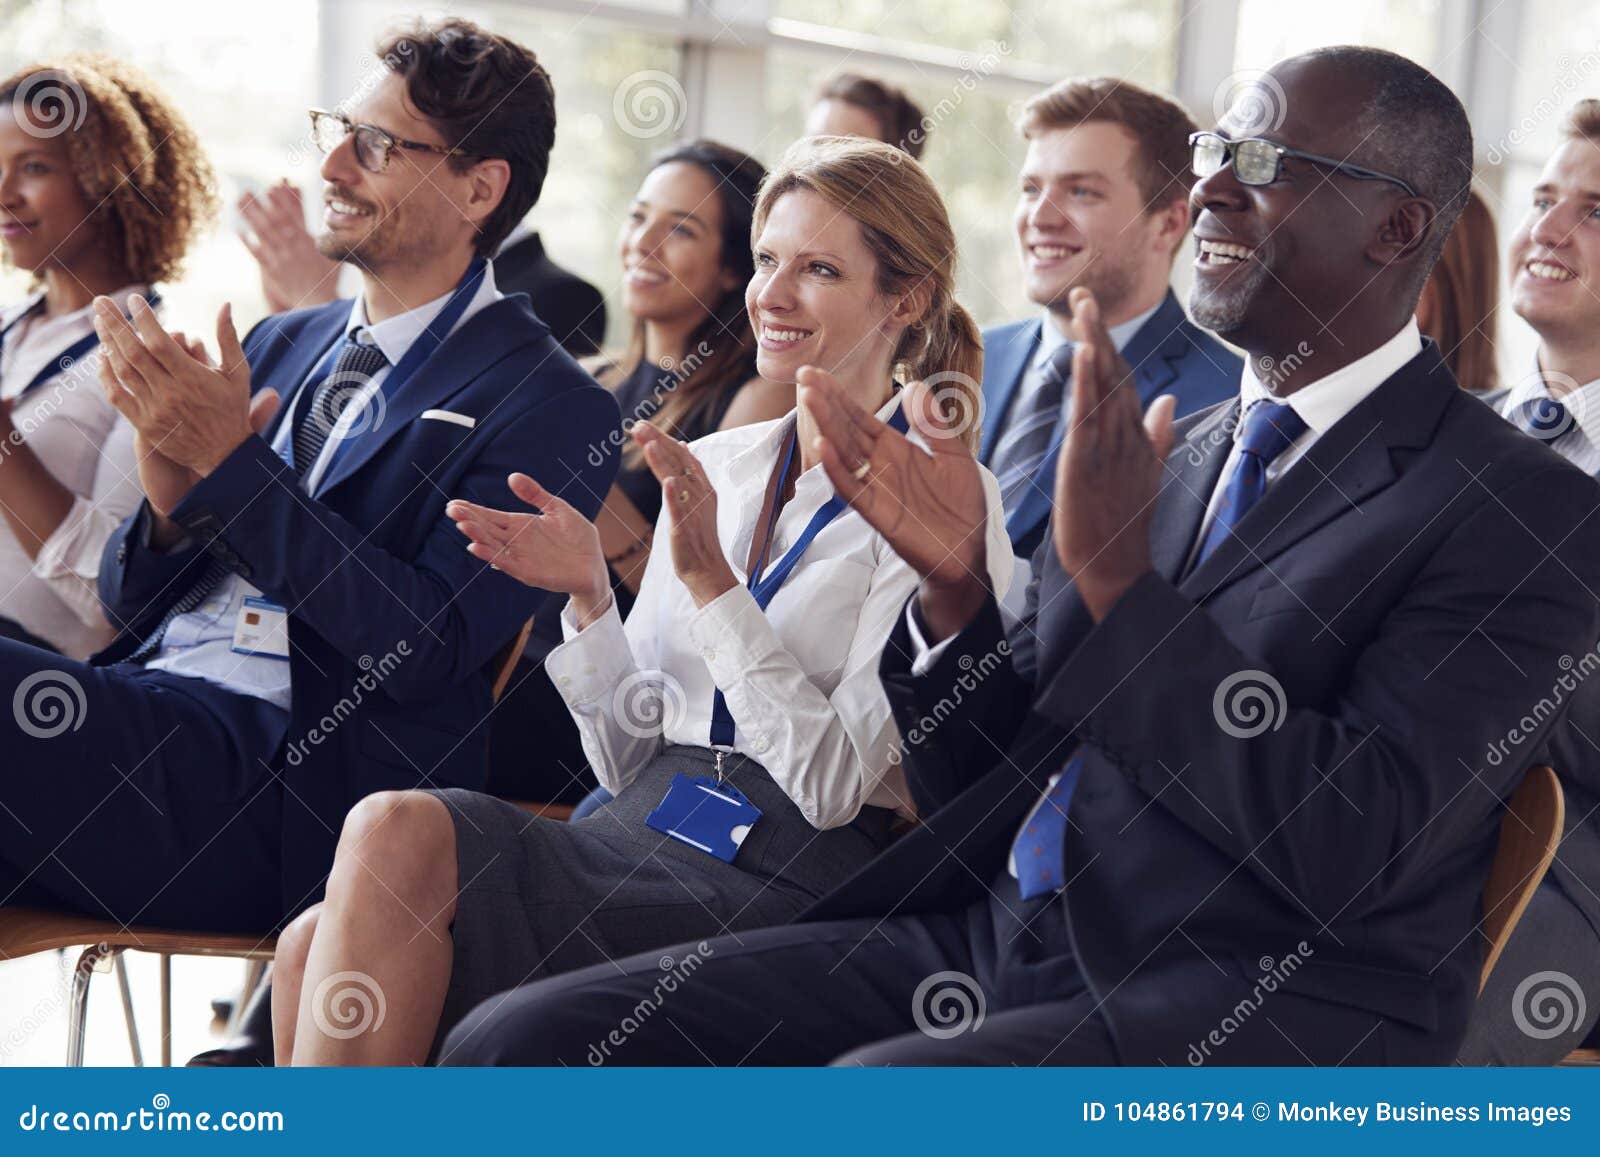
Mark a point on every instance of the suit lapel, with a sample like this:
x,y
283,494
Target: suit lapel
x,y
1344,467
1158,347
1003,368
1190,474
1154,353
481,341
309,347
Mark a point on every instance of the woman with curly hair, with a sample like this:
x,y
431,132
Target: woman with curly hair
x,y
102,189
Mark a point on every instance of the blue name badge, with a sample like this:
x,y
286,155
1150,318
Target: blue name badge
x,y
713,817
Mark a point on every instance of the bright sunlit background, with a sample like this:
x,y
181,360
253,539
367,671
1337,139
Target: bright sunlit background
x,y
742,71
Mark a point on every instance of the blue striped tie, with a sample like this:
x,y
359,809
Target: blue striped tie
x,y
1017,457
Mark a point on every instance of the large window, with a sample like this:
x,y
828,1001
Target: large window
x,y
1270,30
244,93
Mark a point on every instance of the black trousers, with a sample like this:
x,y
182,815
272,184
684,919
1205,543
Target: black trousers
x,y
136,795
1543,997
901,991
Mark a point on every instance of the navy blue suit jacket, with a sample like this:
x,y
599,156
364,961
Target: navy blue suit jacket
x,y
1397,602
393,626
1169,355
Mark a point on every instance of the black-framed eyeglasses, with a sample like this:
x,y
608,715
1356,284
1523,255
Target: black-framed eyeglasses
x,y
1257,161
373,145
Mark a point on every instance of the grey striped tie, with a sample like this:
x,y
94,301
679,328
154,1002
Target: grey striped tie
x,y
346,385
1027,439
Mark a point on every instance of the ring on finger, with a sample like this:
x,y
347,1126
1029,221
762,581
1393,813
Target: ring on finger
x,y
861,471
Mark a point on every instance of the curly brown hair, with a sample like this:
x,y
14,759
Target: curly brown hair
x,y
136,158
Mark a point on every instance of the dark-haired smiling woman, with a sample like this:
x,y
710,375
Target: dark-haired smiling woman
x,y
689,369
102,189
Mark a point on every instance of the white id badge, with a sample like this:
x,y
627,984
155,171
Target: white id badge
x,y
262,629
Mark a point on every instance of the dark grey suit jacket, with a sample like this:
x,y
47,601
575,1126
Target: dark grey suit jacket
x,y
1397,602
1575,755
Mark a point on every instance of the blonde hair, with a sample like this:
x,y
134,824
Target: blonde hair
x,y
135,157
905,225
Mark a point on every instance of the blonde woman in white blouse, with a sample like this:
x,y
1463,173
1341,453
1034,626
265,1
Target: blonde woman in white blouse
x,y
738,720
102,189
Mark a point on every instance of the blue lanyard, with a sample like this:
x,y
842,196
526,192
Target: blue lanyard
x,y
764,587
65,360
419,351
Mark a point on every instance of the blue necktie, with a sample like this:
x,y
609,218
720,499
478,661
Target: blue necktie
x,y
1544,418
1269,429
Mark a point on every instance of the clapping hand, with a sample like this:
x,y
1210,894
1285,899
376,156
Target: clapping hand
x,y
294,274
697,554
1109,472
928,504
553,546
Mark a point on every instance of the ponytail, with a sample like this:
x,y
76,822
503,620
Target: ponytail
x,y
949,358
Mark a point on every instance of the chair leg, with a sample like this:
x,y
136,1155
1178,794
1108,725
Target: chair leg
x,y
119,963
78,1010
166,1010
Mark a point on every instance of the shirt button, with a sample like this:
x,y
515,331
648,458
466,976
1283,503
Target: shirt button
x,y
762,745
565,680
588,668
710,654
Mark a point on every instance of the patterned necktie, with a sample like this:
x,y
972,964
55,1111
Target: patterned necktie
x,y
1545,418
346,385
1269,429
351,374
1026,441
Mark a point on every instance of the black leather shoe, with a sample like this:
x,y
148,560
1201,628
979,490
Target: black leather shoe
x,y
252,1047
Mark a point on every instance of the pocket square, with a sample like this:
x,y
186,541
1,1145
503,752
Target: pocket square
x,y
450,416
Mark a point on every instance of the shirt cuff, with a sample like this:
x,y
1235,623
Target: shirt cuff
x,y
922,662
589,663
731,633
69,560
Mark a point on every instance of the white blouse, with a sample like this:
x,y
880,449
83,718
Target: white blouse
x,y
82,440
800,680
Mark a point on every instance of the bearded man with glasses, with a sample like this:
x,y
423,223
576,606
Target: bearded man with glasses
x,y
301,625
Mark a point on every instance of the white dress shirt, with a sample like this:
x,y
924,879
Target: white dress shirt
x,y
801,680
88,447
1320,404
1579,445
200,643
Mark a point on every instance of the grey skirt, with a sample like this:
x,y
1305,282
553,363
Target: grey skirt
x,y
539,896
